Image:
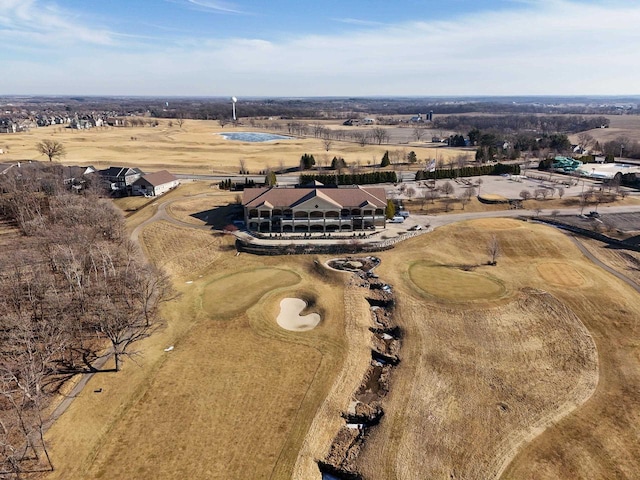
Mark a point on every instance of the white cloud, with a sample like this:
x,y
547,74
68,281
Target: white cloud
x,y
544,47
215,6
359,22
34,23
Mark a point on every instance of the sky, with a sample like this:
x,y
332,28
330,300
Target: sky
x,y
298,48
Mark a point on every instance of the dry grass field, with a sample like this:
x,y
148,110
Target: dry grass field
x,y
539,385
626,262
236,395
620,126
197,148
527,369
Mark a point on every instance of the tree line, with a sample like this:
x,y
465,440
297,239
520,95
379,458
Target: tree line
x,y
496,169
73,284
519,123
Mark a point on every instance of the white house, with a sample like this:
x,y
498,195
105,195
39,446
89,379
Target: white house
x,y
154,184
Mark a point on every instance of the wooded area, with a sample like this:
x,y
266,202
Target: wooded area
x,y
73,289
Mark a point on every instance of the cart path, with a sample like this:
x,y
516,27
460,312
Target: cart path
x,y
606,267
162,215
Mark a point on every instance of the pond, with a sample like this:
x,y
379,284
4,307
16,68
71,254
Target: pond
x,y
253,137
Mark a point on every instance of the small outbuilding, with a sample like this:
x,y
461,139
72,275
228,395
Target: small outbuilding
x,y
154,184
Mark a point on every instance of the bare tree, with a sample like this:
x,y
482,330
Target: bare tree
x,y
361,137
327,142
51,148
541,193
560,192
448,204
586,140
432,196
180,121
418,132
466,196
243,166
494,250
380,135
447,188
525,194
410,192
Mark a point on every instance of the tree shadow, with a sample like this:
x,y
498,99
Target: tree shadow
x,y
220,216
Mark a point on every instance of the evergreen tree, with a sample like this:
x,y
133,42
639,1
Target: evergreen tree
x,y
412,157
338,163
385,160
390,211
270,179
474,136
307,161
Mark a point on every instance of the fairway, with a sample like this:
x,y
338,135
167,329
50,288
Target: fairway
x,y
451,284
197,148
497,389
499,368
236,292
230,399
560,274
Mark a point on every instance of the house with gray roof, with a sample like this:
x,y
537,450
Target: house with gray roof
x,y
120,178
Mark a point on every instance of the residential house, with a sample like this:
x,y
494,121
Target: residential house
x,y
120,178
314,209
154,184
75,177
8,126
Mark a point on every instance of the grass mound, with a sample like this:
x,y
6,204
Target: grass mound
x,y
235,293
452,284
492,198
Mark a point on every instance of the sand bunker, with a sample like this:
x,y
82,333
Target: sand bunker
x,y
290,318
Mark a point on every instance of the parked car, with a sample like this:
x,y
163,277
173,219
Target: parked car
x,y
416,227
403,213
397,219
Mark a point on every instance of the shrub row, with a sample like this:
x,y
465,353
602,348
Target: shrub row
x,y
348,179
496,169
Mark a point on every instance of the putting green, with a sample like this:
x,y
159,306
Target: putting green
x,y
452,284
235,293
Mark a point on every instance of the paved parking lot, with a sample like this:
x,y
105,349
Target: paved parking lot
x,y
508,187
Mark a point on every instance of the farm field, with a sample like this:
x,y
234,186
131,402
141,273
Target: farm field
x,y
505,369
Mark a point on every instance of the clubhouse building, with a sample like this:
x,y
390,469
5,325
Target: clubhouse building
x,y
311,209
